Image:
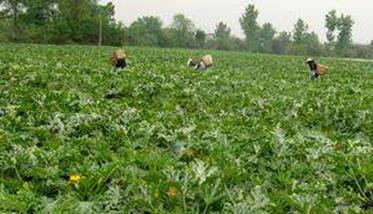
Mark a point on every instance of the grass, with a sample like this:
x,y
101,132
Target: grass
x,y
252,135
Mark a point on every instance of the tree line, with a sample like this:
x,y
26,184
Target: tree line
x,y
88,22
59,22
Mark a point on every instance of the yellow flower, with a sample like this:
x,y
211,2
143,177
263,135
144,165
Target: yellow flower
x,y
172,192
74,178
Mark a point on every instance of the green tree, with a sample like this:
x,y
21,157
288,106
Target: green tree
x,y
331,24
249,25
39,12
59,21
281,43
265,37
12,11
76,22
146,31
344,40
3,31
39,18
304,42
222,36
313,45
200,38
183,31
300,32
113,33
237,44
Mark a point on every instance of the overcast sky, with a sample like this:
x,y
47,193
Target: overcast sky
x,y
281,13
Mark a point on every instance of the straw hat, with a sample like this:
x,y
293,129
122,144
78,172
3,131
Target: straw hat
x,y
310,60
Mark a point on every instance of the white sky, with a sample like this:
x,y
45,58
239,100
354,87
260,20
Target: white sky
x,y
281,13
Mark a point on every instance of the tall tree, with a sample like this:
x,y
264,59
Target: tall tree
x,y
305,43
38,19
249,25
146,31
300,32
12,10
200,38
222,36
112,32
77,21
313,45
281,43
331,24
265,37
344,40
39,11
183,31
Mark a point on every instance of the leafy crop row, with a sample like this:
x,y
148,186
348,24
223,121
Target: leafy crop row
x,y
252,135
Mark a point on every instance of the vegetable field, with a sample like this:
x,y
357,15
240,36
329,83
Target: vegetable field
x,y
252,135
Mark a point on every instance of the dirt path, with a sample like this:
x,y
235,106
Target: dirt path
x,y
356,60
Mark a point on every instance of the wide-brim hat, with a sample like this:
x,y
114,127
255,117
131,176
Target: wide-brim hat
x,y
309,60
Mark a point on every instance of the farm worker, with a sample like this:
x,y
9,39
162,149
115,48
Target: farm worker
x,y
118,59
316,69
201,63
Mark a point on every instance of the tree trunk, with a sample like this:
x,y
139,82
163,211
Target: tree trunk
x,y
100,33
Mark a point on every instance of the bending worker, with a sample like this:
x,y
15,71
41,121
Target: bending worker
x,y
316,69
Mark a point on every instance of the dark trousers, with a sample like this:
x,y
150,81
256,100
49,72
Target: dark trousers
x,y
121,63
